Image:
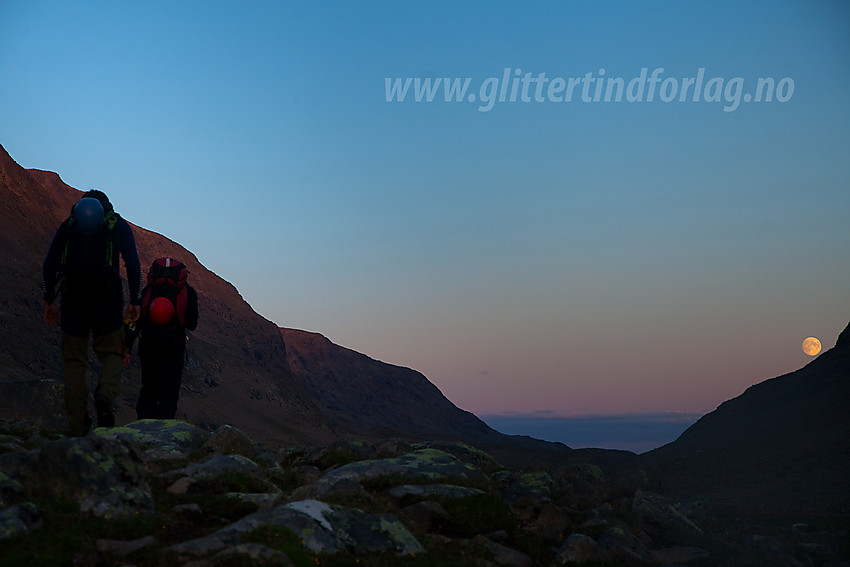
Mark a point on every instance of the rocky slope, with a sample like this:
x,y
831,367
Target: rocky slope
x,y
238,369
157,493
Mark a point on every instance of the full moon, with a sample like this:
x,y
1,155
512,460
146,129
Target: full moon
x,y
811,346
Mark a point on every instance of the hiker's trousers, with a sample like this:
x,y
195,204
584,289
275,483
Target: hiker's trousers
x,y
75,356
162,372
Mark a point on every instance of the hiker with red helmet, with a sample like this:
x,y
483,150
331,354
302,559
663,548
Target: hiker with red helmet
x,y
83,261
169,309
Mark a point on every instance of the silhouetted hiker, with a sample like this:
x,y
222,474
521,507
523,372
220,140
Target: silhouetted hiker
x,y
169,309
83,260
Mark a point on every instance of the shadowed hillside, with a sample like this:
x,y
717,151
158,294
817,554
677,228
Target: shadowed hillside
x,y
238,371
781,446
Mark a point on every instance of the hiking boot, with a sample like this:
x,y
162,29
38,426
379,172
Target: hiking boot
x,y
81,432
105,417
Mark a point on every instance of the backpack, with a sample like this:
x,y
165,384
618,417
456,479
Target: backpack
x,y
89,261
167,278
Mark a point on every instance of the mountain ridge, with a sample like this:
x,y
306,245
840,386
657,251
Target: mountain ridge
x,y
238,370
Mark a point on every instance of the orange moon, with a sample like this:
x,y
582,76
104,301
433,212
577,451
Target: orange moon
x,y
811,346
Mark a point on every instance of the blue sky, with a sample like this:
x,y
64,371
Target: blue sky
x,y
572,258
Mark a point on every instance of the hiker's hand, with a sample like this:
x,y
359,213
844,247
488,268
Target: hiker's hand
x,y
133,312
126,360
51,314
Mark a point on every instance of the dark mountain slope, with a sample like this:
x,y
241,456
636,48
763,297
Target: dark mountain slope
x,y
238,370
375,398
237,358
783,445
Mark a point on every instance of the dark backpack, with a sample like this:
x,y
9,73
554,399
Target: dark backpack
x,y
167,278
89,260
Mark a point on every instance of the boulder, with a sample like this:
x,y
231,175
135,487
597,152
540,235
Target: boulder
x,y
232,473
503,555
529,489
618,545
420,465
577,548
159,439
19,520
322,528
432,491
466,453
228,440
660,515
104,476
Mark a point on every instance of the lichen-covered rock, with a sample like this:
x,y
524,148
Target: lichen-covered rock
x,y
581,485
228,440
103,476
336,454
19,520
621,547
230,473
502,555
421,465
432,491
159,439
466,453
530,488
322,528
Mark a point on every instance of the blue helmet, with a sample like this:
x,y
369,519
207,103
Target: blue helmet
x,y
88,215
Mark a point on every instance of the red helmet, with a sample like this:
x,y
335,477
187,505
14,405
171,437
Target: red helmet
x,y
161,311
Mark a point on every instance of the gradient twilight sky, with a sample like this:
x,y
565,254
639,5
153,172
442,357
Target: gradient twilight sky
x,y
553,258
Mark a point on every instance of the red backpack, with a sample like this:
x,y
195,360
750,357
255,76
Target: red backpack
x,y
166,278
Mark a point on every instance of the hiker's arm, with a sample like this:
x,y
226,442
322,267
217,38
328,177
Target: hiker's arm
x,y
131,332
191,322
50,268
131,264
51,314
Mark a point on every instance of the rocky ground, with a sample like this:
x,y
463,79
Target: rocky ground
x,y
167,493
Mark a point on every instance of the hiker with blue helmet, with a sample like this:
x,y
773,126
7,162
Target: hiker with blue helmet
x,y
83,262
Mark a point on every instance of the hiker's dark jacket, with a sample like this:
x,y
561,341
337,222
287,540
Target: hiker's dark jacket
x,y
92,304
125,246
